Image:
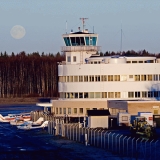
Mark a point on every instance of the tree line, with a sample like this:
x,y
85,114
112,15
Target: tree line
x,y
36,75
29,75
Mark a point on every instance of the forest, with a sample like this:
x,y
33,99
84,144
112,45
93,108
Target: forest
x,y
36,75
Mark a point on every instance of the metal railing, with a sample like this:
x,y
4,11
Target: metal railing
x,y
122,145
80,48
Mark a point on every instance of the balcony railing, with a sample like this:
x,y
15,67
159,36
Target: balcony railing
x,y
80,48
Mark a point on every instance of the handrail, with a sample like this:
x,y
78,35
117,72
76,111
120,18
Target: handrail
x,y
80,48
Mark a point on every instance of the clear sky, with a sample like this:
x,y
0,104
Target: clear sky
x,y
45,22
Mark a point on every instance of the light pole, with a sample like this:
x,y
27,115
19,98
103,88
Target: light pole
x,y
111,122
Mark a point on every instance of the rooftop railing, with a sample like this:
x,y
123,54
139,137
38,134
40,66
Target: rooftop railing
x,y
80,48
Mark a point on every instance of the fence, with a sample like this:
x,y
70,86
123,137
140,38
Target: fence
x,y
122,145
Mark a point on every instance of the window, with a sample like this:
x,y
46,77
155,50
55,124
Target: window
x,y
85,78
76,95
56,110
130,94
71,78
71,95
117,95
67,41
97,95
68,59
124,118
67,95
91,78
85,94
110,94
80,95
75,110
69,110
137,94
123,78
97,78
67,79
104,94
60,110
137,77
110,77
64,110
114,111
75,78
117,77
103,78
144,94
156,77
74,58
130,76
150,94
91,95
128,61
149,77
143,78
81,110
80,78
134,61
155,94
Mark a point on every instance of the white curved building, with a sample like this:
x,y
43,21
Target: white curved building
x,y
87,81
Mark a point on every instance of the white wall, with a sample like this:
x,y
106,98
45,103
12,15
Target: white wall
x,y
108,69
98,121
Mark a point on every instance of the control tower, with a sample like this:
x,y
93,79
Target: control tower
x,y
79,45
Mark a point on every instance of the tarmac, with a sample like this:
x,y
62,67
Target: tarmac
x,y
38,144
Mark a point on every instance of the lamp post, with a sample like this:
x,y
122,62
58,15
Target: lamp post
x,y
111,122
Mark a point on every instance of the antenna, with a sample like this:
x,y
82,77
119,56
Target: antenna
x,y
93,29
121,39
83,21
66,27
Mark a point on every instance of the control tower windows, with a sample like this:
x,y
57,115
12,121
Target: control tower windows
x,y
77,41
67,41
90,41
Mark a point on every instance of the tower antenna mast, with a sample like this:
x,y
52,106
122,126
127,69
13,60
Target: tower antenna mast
x,y
83,22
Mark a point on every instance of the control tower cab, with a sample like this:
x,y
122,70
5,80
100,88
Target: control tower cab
x,y
79,45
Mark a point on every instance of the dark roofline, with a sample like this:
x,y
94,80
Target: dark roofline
x,y
98,112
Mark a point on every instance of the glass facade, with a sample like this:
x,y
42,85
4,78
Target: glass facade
x,y
80,41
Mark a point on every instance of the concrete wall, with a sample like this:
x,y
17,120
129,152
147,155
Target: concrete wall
x,y
134,107
144,106
77,104
98,121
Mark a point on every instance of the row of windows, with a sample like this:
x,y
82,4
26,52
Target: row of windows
x,y
69,59
80,41
80,111
138,94
99,78
98,62
70,111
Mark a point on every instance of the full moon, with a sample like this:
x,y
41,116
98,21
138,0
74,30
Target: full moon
x,y
17,32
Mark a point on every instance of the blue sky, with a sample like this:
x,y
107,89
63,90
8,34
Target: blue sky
x,y
45,22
